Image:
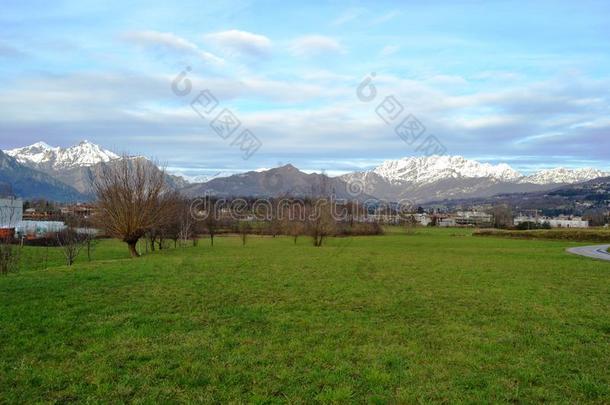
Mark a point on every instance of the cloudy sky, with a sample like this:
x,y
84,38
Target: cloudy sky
x,y
525,84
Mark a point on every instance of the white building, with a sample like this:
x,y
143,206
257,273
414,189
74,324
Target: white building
x,y
568,222
474,218
448,222
39,228
558,222
11,212
423,219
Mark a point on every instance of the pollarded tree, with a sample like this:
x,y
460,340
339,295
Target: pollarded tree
x,y
132,198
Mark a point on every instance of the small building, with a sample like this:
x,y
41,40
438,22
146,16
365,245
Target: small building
x,y
79,210
38,229
11,212
465,219
447,222
33,214
561,221
568,222
423,219
474,219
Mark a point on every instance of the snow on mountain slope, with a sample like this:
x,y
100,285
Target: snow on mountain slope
x,y
562,175
42,155
202,178
428,170
425,170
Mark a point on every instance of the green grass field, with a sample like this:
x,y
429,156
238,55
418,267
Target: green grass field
x,y
439,316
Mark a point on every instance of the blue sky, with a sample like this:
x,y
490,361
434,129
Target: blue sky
x,y
523,83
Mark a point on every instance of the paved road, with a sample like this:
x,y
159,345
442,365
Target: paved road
x,y
595,252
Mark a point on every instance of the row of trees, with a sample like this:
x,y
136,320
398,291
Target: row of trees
x,y
135,203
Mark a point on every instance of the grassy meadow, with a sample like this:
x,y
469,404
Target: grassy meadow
x,y
437,316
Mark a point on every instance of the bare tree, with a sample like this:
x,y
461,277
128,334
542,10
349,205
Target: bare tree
x,y
596,217
292,223
81,233
9,250
153,236
90,243
205,215
503,216
274,224
186,223
410,224
212,223
244,229
9,256
133,198
320,221
71,243
295,228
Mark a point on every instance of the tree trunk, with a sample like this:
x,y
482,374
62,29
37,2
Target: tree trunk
x,y
133,249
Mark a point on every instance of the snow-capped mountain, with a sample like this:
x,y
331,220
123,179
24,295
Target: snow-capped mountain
x,y
562,175
19,180
424,170
427,170
419,179
43,156
76,166
424,179
203,178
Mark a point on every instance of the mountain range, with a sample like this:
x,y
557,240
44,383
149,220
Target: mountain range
x,y
23,181
68,174
45,157
423,179
76,166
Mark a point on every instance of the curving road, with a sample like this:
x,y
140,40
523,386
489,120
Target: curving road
x,y
594,252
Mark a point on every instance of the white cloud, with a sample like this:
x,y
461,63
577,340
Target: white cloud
x,y
447,80
171,42
241,41
313,45
348,15
389,50
142,108
322,75
386,17
497,76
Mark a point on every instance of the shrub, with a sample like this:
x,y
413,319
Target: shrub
x,y
576,235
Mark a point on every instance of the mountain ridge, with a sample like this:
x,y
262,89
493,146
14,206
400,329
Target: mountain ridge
x,y
420,179
25,182
434,168
76,166
41,155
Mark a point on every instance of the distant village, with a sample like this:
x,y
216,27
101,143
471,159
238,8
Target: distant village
x,y
26,220
31,220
